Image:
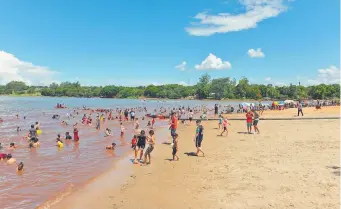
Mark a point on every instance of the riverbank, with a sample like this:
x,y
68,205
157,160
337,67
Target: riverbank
x,y
291,164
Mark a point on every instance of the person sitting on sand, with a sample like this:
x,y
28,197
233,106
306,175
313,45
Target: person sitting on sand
x,y
150,148
111,147
20,167
10,160
175,147
59,142
107,132
199,137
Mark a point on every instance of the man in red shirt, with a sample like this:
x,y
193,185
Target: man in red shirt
x,y
173,125
249,116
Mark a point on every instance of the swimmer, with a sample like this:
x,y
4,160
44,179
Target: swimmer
x,y
149,124
3,156
64,123
18,129
111,147
12,146
0,146
68,136
10,160
107,132
59,143
20,167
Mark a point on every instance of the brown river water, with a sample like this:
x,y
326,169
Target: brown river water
x,y
50,173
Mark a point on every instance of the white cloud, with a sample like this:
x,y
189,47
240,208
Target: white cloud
x,y
329,75
182,66
213,63
255,53
183,83
13,69
268,78
255,12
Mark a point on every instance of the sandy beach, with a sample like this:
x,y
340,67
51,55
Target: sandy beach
x,y
291,164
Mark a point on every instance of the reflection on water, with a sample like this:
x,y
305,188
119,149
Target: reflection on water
x,y
51,172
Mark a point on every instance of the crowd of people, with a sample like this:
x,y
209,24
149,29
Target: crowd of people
x,y
143,140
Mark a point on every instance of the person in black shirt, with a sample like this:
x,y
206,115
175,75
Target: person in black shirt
x,y
141,143
68,136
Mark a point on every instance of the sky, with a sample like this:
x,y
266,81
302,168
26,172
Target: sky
x,y
131,43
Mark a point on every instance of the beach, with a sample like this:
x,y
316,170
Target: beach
x,y
291,164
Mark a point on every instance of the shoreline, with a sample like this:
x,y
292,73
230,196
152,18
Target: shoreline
x,y
240,171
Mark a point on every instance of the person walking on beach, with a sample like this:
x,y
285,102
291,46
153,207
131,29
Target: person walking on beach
x,y
175,147
225,124
249,116
141,143
199,136
299,109
255,121
151,144
173,126
220,125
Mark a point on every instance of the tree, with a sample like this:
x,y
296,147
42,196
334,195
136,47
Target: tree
x,y
241,88
203,86
109,91
222,87
16,86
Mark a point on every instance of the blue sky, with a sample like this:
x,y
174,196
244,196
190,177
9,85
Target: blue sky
x,y
143,42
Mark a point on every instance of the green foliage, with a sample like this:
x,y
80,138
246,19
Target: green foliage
x,y
221,88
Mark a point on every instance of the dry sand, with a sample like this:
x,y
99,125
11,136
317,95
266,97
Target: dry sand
x,y
291,164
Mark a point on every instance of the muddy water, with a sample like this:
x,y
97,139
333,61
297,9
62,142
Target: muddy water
x,y
50,172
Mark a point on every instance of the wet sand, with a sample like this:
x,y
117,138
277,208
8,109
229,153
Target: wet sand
x,y
291,164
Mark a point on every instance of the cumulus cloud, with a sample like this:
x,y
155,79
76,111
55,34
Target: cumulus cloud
x,y
14,69
255,53
268,78
182,66
255,12
329,75
213,63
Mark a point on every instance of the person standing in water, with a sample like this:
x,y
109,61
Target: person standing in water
x,y
98,123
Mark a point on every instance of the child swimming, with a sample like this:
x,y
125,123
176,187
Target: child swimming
x,y
111,147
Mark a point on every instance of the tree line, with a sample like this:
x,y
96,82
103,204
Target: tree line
x,y
206,88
